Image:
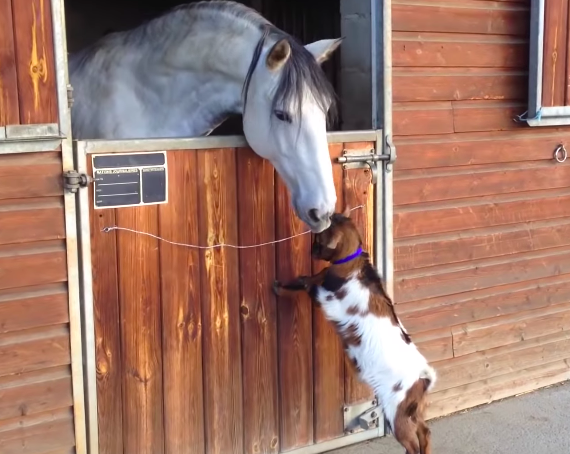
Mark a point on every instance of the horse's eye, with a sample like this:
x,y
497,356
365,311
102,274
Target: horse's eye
x,y
282,116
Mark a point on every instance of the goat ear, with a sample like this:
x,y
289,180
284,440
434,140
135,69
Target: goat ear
x,y
346,212
335,238
278,54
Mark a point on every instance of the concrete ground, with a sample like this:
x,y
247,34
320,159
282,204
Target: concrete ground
x,y
535,423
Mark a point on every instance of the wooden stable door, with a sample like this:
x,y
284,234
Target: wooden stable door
x,y
194,353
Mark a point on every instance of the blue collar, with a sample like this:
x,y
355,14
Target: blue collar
x,y
350,257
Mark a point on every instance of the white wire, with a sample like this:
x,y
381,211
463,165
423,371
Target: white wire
x,y
110,229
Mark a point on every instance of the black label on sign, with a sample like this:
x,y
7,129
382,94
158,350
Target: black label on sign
x,y
124,186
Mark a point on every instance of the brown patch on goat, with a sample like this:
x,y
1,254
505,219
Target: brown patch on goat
x,y
350,336
410,428
340,294
354,310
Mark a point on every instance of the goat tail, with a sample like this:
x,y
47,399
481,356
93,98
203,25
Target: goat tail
x,y
429,376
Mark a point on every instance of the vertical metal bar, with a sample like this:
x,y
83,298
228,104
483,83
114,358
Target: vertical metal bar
x,y
60,54
381,35
90,360
536,51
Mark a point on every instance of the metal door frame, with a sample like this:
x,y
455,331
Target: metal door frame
x,y
382,239
78,227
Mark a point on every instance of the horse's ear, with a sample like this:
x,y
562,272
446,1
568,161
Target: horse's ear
x,y
323,49
278,54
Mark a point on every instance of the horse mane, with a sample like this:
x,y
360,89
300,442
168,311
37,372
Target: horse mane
x,y
300,75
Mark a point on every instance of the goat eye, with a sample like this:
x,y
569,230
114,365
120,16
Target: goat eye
x,y
282,116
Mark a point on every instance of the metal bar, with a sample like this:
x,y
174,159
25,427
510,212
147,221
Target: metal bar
x,y
88,314
8,147
199,143
336,443
383,213
363,158
536,52
73,278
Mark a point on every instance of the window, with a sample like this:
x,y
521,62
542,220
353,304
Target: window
x,y
549,66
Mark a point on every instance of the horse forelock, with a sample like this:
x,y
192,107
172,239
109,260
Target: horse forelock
x,y
300,75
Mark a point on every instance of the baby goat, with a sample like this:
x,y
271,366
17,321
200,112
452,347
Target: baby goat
x,y
351,294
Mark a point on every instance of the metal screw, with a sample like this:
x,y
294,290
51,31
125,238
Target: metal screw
x,y
373,415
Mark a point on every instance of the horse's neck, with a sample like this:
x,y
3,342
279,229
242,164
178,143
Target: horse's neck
x,y
187,90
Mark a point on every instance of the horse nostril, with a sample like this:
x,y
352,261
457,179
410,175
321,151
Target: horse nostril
x,y
314,215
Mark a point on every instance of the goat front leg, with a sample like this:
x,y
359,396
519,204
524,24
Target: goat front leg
x,y
300,284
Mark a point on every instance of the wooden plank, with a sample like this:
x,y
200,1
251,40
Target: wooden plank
x,y
30,350
411,49
9,109
458,84
554,53
30,264
33,307
422,118
449,310
474,181
328,354
39,434
489,390
256,206
507,329
35,392
494,18
497,210
469,116
35,61
140,309
107,316
294,315
181,309
477,148
477,274
26,220
478,244
217,216
30,175
435,345
357,190
501,360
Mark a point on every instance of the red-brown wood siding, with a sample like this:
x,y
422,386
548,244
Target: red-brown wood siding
x,y
35,376
36,403
27,67
481,209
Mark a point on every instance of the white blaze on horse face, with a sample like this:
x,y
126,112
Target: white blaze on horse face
x,y
295,144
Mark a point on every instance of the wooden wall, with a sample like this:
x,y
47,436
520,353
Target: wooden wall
x,y
482,211
194,352
36,414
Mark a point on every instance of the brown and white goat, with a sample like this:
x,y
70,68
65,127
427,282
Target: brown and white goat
x,y
351,294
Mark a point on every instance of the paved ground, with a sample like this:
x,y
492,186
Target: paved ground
x,y
536,423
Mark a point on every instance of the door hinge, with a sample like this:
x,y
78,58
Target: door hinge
x,y
362,416
73,180
69,95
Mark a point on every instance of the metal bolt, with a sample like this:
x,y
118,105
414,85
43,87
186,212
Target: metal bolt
x,y
373,415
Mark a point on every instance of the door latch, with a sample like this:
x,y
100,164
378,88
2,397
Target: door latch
x,y
74,180
361,417
358,159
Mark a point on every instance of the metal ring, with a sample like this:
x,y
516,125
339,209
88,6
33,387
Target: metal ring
x,y
560,154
